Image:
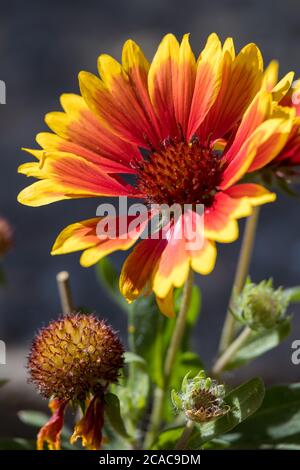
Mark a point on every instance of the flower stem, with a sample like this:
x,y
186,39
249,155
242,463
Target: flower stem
x,y
183,440
159,393
63,283
231,350
240,276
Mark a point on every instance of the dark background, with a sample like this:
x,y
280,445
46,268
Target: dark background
x,y
43,46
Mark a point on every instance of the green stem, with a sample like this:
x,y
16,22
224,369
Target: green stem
x,y
183,440
231,350
159,393
240,276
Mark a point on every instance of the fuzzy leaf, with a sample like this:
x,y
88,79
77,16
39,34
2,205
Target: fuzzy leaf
x,y
259,343
275,424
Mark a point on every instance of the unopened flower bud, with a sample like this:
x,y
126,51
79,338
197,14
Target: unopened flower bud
x,y
200,398
260,306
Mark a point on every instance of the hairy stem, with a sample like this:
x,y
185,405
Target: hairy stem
x,y
159,394
231,350
183,440
63,283
240,276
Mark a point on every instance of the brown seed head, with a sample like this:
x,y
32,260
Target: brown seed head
x,y
74,356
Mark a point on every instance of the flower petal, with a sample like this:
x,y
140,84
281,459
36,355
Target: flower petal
x,y
185,240
255,193
241,80
137,67
67,176
255,138
90,427
120,233
80,132
270,147
290,154
139,268
185,83
166,304
283,86
127,98
271,75
203,261
51,431
207,84
162,81
219,223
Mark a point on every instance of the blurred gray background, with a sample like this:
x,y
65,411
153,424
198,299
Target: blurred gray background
x,y
43,46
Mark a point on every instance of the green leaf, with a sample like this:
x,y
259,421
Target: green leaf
x,y
130,357
109,278
294,294
35,419
17,443
275,424
167,439
243,401
259,343
134,396
112,409
146,329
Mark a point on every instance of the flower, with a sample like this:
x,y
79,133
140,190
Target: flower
x,y
201,398
72,361
6,236
185,130
260,306
282,166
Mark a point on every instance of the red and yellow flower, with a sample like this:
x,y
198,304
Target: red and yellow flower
x,y
289,156
187,129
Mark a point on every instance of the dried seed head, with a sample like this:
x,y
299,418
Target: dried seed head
x,y
201,398
74,356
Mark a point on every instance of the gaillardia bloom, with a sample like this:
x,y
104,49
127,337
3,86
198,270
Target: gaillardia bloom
x,y
283,166
186,130
72,361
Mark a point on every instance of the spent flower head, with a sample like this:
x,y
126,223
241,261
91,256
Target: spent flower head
x,y
260,306
73,360
200,398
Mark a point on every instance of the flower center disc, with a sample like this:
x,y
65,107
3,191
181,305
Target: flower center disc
x,y
180,173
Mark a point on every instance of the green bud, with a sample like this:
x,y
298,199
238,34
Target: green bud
x,y
200,398
260,306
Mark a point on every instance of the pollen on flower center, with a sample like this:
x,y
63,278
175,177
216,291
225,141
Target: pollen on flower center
x,y
180,173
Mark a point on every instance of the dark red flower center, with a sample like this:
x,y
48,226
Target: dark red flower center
x,y
181,173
